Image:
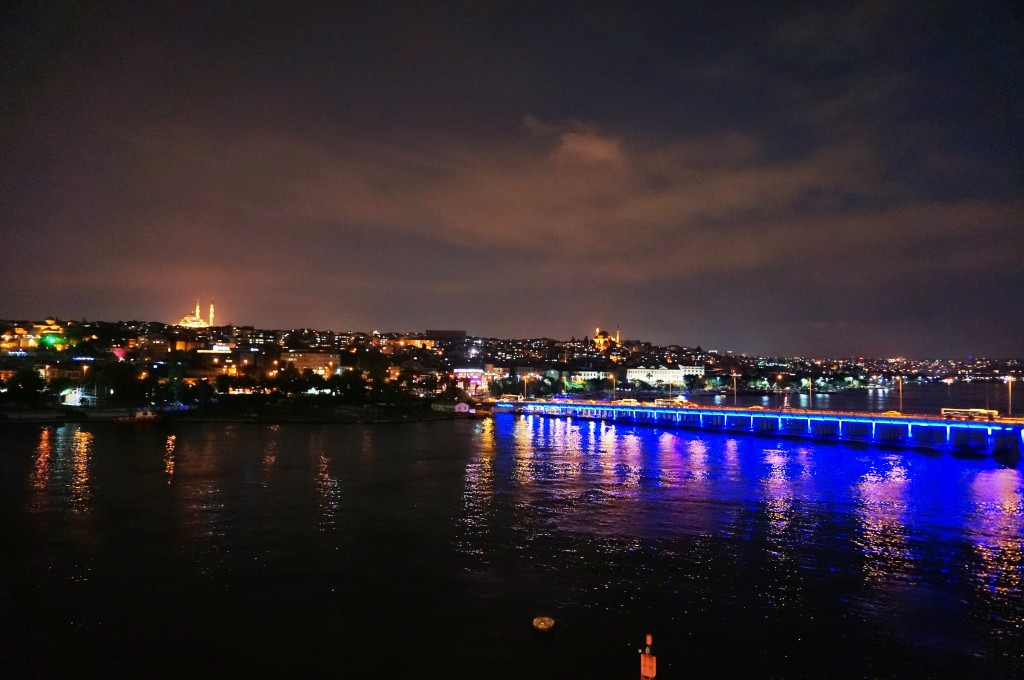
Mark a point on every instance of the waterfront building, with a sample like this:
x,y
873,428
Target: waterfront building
x,y
674,375
473,380
583,376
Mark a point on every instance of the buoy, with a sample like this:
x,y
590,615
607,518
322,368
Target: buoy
x,y
543,623
648,663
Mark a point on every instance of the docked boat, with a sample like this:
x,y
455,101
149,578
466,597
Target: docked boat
x,y
142,415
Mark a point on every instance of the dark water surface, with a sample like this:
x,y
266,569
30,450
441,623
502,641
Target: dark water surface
x,y
219,550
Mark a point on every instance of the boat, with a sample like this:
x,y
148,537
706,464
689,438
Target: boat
x,y
142,415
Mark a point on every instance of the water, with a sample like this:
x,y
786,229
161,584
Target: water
x,y
411,550
920,398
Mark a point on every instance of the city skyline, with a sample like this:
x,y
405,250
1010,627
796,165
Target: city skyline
x,y
784,181
600,340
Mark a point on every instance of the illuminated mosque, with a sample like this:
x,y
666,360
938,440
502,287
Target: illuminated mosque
x,y
195,320
603,341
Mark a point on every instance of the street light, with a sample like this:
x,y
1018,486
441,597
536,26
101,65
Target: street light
x,y
1009,394
899,382
734,376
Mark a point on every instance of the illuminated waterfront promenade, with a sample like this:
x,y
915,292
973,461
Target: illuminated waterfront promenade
x,y
997,437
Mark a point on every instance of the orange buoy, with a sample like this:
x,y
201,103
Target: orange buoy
x,y
543,623
648,662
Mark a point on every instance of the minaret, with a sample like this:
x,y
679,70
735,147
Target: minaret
x,y
617,335
197,309
211,312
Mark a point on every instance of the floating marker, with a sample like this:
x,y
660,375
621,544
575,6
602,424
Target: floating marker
x,y
543,623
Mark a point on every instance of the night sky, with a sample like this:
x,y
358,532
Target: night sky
x,y
767,178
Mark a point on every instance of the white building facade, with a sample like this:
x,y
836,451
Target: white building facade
x,y
674,375
584,376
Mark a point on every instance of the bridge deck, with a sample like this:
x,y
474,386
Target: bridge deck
x,y
917,431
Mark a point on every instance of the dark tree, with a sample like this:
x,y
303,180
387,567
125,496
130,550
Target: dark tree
x,y
26,388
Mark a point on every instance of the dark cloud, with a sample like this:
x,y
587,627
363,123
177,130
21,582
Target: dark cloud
x,y
765,181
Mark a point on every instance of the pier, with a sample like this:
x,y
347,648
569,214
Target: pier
x,y
994,437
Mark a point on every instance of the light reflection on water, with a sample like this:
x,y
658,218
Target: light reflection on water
x,y
667,443
328,484
41,469
169,457
199,491
629,460
63,460
608,444
478,494
997,530
81,490
882,509
270,452
646,491
328,490
777,490
729,547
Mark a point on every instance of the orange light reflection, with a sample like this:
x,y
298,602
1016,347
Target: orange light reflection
x,y
81,451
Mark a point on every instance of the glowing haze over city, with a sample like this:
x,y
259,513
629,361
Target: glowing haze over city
x,y
765,178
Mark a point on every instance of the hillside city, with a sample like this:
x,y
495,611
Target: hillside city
x,y
134,363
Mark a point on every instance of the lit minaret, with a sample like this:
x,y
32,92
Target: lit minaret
x,y
194,320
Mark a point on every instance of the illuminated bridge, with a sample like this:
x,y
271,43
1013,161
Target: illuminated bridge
x,y
995,437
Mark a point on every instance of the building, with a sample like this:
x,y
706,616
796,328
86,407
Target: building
x,y
582,376
321,363
196,320
471,379
603,341
674,375
49,332
17,338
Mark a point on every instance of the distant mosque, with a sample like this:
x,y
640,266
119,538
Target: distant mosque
x,y
195,320
603,341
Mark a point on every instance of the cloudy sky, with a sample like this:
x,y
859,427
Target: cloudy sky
x,y
767,178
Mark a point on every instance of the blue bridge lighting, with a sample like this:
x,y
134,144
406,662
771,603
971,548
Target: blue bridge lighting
x,y
912,431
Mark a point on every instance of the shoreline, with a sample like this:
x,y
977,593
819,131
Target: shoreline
x,y
351,416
